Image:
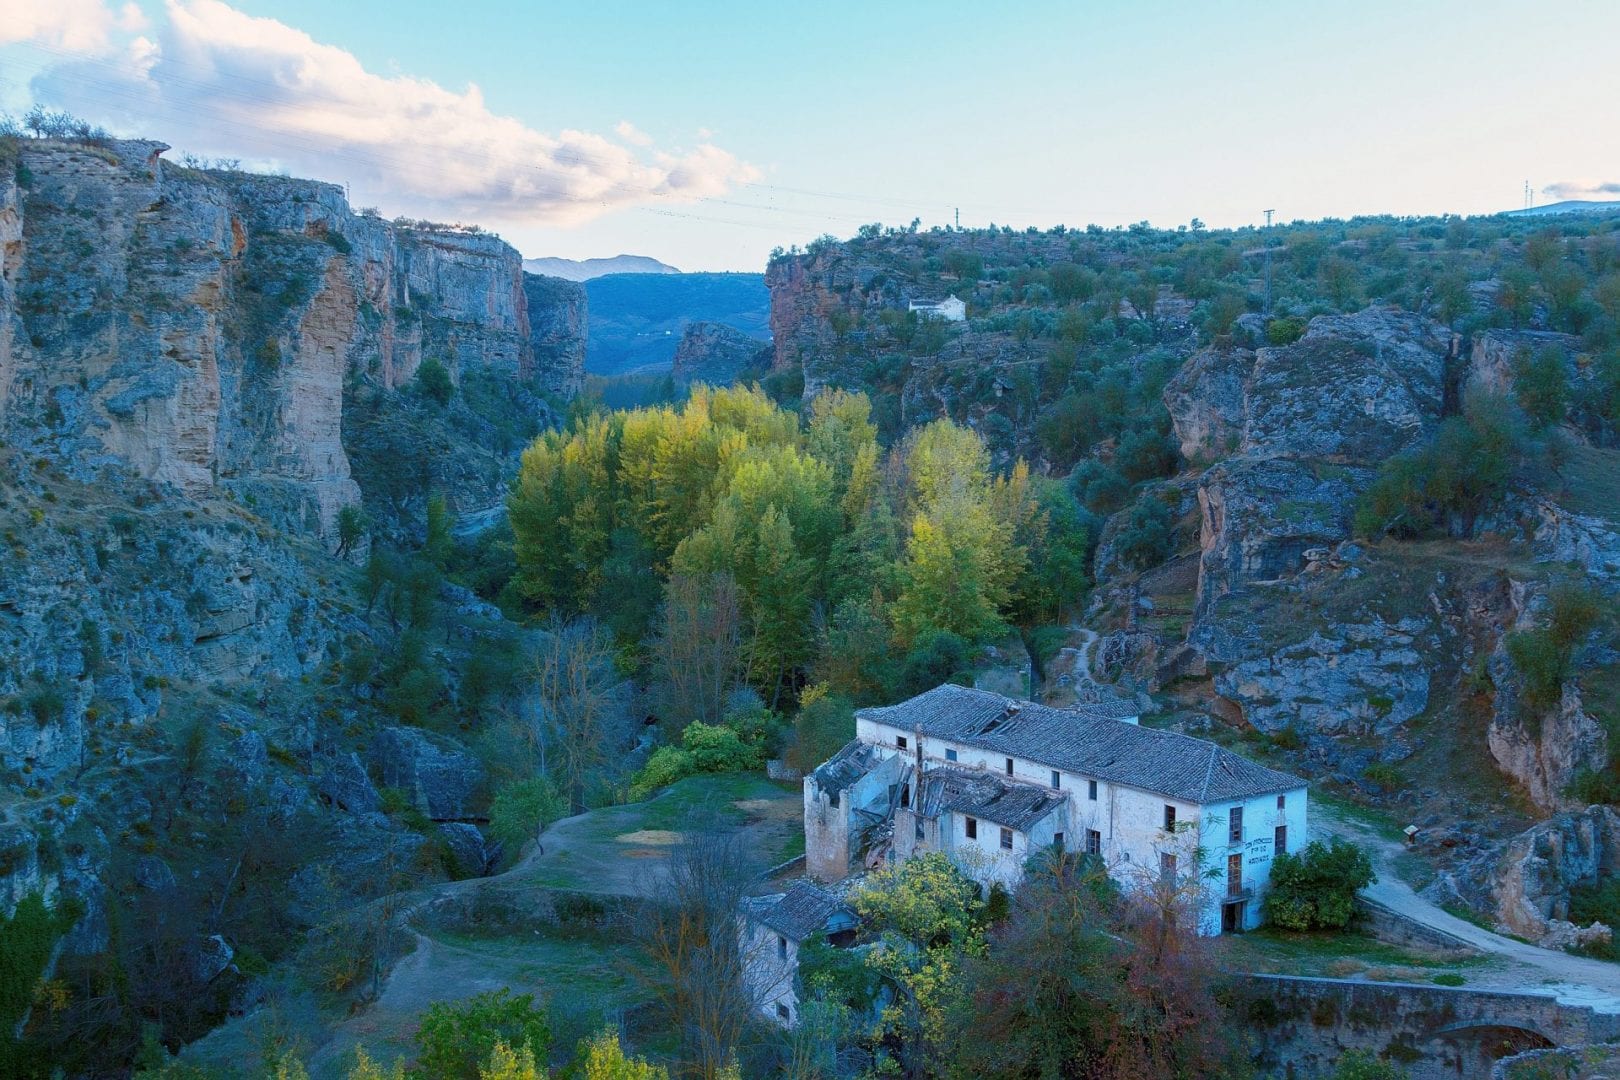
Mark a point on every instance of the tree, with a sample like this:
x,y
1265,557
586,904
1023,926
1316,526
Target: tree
x,y
696,962
1316,889
579,708
507,1064
352,525
1541,385
456,1041
928,921
366,1069
697,650
602,1057
1364,1065
440,539
433,381
522,809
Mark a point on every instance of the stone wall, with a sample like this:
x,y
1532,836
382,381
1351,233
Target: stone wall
x,y
1302,1025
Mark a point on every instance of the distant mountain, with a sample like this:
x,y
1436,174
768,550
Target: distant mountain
x,y
636,320
586,269
1569,206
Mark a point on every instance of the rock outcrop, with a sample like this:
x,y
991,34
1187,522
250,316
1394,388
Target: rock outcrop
x,y
1296,433
1531,880
206,329
558,317
715,354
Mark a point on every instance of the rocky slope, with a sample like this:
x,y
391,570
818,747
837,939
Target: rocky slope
x,y
204,732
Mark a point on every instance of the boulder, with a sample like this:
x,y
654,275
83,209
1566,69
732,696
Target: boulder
x,y
1531,879
153,874
343,782
210,958
442,778
474,854
1207,402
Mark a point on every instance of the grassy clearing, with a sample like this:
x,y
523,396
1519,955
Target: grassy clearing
x,y
1338,956
617,848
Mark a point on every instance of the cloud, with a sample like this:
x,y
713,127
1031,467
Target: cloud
x,y
219,81
1598,190
84,26
632,134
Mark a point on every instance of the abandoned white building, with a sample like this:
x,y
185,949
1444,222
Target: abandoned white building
x,y
951,309
988,781
773,929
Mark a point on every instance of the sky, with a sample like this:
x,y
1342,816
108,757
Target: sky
x,y
707,133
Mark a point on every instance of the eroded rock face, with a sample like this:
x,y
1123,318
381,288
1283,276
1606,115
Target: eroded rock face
x,y
442,778
204,329
713,353
1346,680
1310,423
558,316
1544,753
1531,880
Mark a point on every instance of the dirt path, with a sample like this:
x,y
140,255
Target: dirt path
x,y
1575,980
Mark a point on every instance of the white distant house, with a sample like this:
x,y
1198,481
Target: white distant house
x,y
950,309
989,781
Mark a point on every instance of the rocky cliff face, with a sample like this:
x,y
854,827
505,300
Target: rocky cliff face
x,y
715,354
206,329
558,316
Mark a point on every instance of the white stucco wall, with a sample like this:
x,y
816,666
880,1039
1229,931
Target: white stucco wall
x,y
768,974
1130,821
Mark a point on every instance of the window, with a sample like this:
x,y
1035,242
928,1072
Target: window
x,y
782,1012
1057,779
1167,864
1009,766
1169,817
1006,839
972,828
1091,790
950,755
1235,825
1234,874
1281,840
1057,840
781,947
905,796
1282,802
1093,842
900,741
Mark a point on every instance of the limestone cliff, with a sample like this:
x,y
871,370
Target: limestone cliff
x,y
715,354
206,329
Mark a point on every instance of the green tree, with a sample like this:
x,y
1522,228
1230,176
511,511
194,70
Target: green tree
x,y
521,809
1541,385
455,1040
433,381
602,1057
1316,888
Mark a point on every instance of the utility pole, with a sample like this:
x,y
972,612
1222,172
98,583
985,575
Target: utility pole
x,y
1527,197
1267,242
959,216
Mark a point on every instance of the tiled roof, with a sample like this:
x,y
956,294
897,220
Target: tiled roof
x,y
841,770
985,795
1078,741
800,911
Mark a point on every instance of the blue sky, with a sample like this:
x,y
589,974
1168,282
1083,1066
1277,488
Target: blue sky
x,y
756,125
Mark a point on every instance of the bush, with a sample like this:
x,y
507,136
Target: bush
x,y
1364,1065
433,380
1541,384
521,809
705,748
1284,331
938,656
1144,542
1316,889
820,730
1461,473
1145,455
453,1040
1098,487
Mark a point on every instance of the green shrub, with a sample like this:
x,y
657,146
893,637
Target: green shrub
x,y
1541,384
1364,1065
705,748
27,938
820,730
433,380
454,1039
521,809
1144,542
1383,774
1316,889
1284,331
